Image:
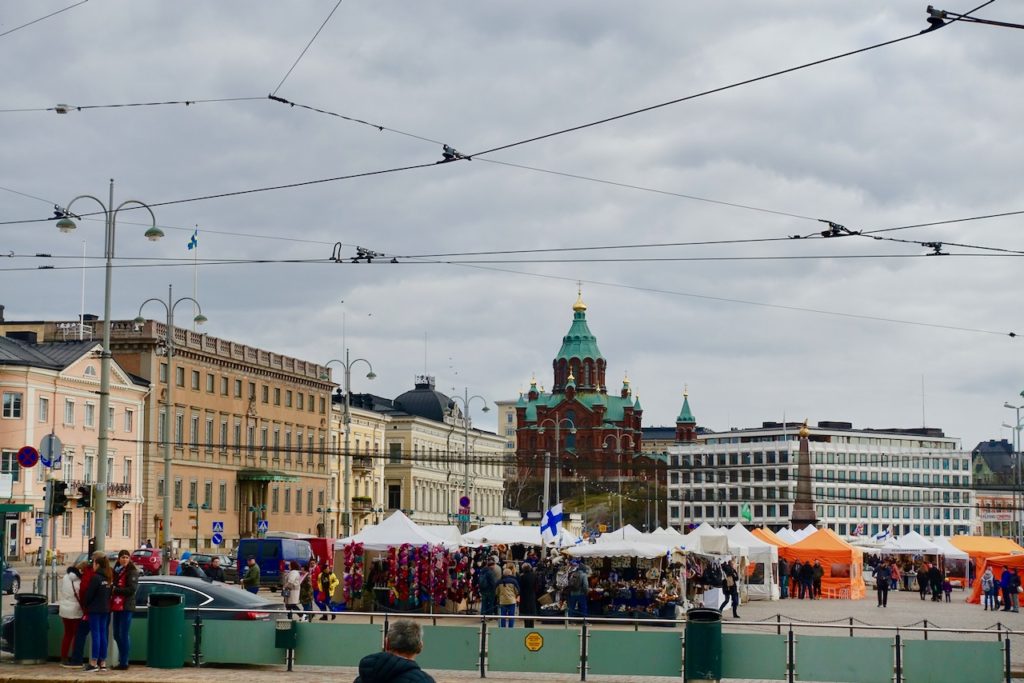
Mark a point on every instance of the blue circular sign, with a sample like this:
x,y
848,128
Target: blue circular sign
x,y
28,456
464,501
217,539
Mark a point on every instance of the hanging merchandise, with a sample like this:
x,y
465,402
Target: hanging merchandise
x,y
353,572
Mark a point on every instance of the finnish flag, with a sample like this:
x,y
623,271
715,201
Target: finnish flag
x,y
551,527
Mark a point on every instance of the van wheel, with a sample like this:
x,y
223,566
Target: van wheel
x,y
273,589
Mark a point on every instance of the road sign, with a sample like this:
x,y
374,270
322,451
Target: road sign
x,y
51,451
461,518
263,526
218,527
28,456
217,539
464,501
39,526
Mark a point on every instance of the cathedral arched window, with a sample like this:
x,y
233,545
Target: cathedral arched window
x,y
570,438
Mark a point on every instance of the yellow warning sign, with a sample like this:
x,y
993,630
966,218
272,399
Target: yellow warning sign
x,y
602,528
533,641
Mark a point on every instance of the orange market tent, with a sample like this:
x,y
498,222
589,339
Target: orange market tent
x,y
984,547
997,563
843,563
769,536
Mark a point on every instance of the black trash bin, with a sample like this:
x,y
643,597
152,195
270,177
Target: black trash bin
x,y
165,637
703,645
31,628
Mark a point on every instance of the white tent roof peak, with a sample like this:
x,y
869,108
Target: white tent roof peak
x,y
395,530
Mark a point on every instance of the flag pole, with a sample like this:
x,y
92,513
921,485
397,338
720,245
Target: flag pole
x,y
195,277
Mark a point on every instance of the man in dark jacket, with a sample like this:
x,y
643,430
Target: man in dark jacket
x,y
126,585
531,585
783,578
807,580
215,572
396,664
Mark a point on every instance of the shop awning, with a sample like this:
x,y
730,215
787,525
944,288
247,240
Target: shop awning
x,y
265,475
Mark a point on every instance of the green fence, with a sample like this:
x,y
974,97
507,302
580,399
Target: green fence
x,y
560,647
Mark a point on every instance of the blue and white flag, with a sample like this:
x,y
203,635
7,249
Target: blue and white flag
x,y
551,526
193,243
883,534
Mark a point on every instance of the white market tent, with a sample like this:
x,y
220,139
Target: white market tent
x,y
708,540
504,534
446,531
617,548
626,533
787,535
394,531
763,559
948,549
912,543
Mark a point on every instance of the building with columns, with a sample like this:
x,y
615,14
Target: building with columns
x,y
367,429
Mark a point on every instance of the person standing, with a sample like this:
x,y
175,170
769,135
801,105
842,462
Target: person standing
x,y
215,572
923,577
731,588
794,574
70,610
935,578
290,588
817,573
251,578
326,583
883,575
1015,589
96,605
530,587
783,578
896,576
807,580
487,582
122,605
989,589
579,587
508,597
306,591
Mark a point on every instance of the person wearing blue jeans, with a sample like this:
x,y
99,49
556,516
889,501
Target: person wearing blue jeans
x,y
96,605
508,596
122,605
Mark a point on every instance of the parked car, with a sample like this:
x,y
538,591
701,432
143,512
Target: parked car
x,y
84,557
11,581
197,594
272,555
150,560
204,560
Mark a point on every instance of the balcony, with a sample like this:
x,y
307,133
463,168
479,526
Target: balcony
x,y
362,464
362,504
114,491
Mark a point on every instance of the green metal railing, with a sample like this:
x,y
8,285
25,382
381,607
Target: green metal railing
x,y
459,642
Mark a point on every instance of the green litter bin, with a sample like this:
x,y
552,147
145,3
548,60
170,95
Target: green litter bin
x,y
31,628
165,637
703,639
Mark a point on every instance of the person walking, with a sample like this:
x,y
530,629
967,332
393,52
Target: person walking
x,y
508,597
783,578
731,588
883,576
817,573
947,589
531,585
396,664
251,579
935,578
70,610
122,606
290,587
96,605
326,583
77,655
989,588
922,579
306,591
894,572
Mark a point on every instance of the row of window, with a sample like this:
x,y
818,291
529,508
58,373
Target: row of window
x,y
298,495
783,457
288,397
13,408
303,447
9,465
707,512
68,528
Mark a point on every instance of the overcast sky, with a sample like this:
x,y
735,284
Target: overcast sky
x,y
924,130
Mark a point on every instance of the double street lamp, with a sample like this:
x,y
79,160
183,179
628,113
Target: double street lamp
x,y
66,225
617,440
346,515
1018,495
169,307
467,400
324,511
558,462
197,507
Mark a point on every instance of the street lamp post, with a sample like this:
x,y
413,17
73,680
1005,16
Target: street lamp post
x,y
617,439
197,507
66,225
558,461
466,401
1018,495
324,511
169,307
346,506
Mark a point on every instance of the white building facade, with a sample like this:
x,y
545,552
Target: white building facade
x,y
863,481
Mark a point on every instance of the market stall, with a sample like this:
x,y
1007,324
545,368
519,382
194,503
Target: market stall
x,y
843,563
769,536
762,570
629,578
980,548
997,564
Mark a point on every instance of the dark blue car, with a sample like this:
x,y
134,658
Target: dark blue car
x,y
11,581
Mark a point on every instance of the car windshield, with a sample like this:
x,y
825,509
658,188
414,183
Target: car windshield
x,y
142,553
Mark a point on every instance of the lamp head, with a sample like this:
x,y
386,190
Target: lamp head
x,y
154,234
572,431
371,375
487,409
200,319
540,431
138,322
66,225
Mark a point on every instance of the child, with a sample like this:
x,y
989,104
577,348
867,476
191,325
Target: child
x,y
947,588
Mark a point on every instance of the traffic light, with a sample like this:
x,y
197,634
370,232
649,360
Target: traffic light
x,y
58,498
85,493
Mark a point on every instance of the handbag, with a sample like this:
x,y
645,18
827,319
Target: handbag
x,y
546,599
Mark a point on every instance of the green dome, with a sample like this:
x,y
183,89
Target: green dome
x,y
579,342
685,416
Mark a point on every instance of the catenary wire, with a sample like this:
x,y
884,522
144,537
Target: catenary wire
x,y
308,45
125,105
36,21
719,89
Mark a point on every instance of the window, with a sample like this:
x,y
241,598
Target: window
x,y
394,496
160,490
223,434
163,373
177,493
209,432
395,456
222,496
277,396
298,501
87,473
194,432
287,500
252,391
275,498
9,464
277,442
309,502
288,445
179,376
90,415
266,394
129,421
110,523
300,401
210,383
126,524
127,476
208,494
250,440
110,419
320,498
66,524
179,429
288,399
193,492
323,405
195,380
238,434
238,388
223,386
44,409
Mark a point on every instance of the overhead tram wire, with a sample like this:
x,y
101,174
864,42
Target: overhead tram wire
x,y
36,21
128,105
305,49
723,88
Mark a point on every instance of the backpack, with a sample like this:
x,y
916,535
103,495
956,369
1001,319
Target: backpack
x,y
577,584
486,580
